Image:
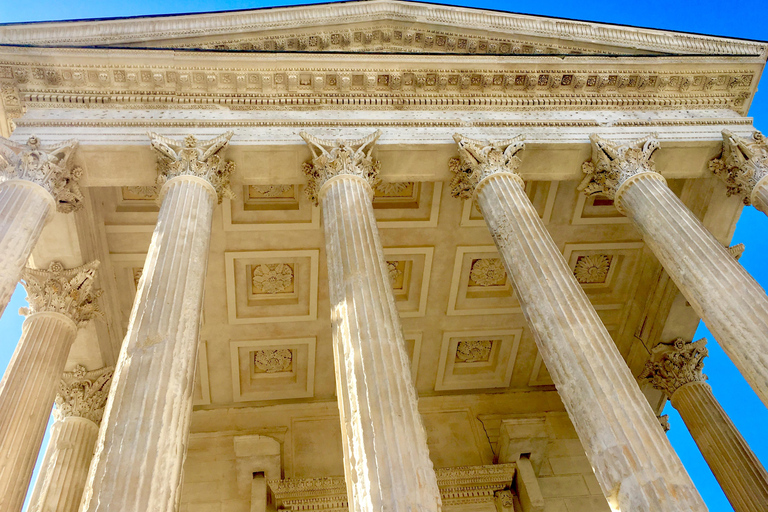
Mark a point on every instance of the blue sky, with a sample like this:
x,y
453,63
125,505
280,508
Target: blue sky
x,y
745,20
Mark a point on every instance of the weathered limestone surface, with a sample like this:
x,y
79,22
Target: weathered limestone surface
x,y
36,181
732,304
743,167
59,300
633,461
677,370
80,403
386,460
142,443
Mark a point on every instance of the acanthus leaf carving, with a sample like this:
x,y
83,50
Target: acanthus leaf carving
x,y
478,160
488,272
203,159
272,278
676,364
83,393
614,163
336,158
48,166
273,361
592,269
742,165
59,290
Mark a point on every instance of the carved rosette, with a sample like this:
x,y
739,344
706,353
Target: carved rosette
x,y
48,166
674,365
336,158
59,290
274,278
192,157
612,164
478,160
83,394
742,165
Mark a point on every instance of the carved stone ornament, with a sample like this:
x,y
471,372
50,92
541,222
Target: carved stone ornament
x,y
478,160
676,364
48,166
330,159
614,163
737,251
59,290
273,361
664,422
270,190
273,278
592,269
743,164
192,157
473,351
394,272
83,394
488,272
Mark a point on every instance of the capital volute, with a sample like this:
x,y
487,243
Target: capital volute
x,y
478,160
50,167
675,364
59,290
613,164
337,158
193,157
743,163
83,394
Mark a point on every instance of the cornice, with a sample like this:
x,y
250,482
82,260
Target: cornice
x,y
123,31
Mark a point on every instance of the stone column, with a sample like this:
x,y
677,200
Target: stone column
x,y
637,468
35,181
743,167
386,460
80,403
59,301
732,304
676,370
143,439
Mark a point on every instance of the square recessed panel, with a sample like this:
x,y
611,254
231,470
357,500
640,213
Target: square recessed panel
x,y
271,286
269,207
127,269
596,209
541,193
272,369
606,271
480,285
409,270
477,359
407,204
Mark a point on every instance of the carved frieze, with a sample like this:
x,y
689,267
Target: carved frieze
x,y
676,364
478,160
743,163
335,158
48,166
614,163
203,159
59,290
83,393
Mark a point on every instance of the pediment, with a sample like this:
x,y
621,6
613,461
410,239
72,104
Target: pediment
x,y
377,26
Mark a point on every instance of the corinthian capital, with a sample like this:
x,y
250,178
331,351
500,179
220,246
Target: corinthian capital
x,y
478,160
335,158
83,394
676,364
192,157
743,164
48,166
59,290
613,163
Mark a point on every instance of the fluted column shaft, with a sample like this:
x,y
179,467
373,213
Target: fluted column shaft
x,y
25,207
737,469
59,485
142,443
732,304
387,463
26,397
760,195
633,461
